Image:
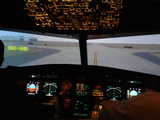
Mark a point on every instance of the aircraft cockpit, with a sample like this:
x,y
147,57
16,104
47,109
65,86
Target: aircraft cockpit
x,y
67,56
75,92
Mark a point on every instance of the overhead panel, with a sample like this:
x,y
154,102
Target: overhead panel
x,y
75,14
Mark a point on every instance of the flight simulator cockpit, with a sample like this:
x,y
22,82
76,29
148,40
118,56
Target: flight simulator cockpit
x,y
75,92
70,55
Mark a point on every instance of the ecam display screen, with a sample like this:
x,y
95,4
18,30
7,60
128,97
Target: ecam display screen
x,y
82,89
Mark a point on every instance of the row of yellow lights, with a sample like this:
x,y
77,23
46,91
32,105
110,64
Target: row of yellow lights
x,y
104,1
108,19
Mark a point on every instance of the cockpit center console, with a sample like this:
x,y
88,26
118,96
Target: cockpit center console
x,y
75,92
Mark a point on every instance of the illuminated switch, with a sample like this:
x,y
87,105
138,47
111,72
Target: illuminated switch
x,y
33,0
95,114
61,93
101,98
100,107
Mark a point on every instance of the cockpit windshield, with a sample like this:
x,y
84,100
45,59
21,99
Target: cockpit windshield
x,y
23,49
135,53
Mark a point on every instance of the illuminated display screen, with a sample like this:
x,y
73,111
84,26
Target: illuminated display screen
x,y
50,88
133,92
32,88
80,114
114,93
75,14
82,89
81,109
97,91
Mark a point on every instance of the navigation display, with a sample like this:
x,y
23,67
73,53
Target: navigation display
x,y
114,93
32,88
133,92
50,88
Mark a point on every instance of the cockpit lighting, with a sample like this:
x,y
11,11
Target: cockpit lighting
x,y
75,14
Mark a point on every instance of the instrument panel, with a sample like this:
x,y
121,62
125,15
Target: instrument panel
x,y
114,93
75,92
53,88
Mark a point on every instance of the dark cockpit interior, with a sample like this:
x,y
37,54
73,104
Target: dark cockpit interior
x,y
69,55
